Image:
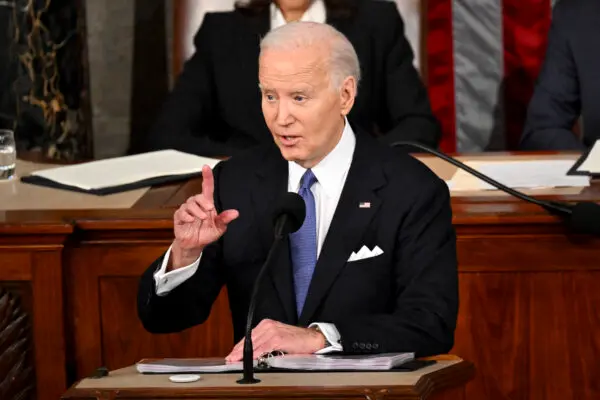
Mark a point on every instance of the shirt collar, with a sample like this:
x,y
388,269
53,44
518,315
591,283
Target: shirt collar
x,y
331,170
316,13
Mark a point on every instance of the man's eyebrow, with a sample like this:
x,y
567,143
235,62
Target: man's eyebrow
x,y
304,89
292,91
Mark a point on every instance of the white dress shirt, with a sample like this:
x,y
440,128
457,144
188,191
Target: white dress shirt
x,y
316,13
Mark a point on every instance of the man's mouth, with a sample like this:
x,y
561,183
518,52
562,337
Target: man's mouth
x,y
288,140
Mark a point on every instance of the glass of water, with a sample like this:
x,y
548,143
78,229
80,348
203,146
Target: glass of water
x,y
8,154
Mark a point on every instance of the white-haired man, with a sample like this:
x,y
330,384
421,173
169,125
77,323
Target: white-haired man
x,y
372,269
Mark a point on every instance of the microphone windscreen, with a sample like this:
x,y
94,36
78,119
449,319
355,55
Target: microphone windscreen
x,y
292,206
585,218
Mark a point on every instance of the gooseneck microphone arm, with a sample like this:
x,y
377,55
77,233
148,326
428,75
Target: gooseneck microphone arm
x,y
288,217
582,217
550,206
248,359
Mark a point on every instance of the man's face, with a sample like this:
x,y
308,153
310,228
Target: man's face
x,y
303,112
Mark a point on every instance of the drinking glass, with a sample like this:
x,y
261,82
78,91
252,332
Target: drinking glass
x,y
8,154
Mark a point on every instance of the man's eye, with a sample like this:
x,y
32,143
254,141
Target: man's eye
x,y
299,98
270,97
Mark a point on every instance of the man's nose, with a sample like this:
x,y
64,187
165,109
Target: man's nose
x,y
284,116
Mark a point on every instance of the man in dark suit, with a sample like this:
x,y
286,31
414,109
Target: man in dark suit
x,y
373,269
214,108
569,84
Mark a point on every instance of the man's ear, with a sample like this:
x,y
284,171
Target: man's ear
x,y
347,94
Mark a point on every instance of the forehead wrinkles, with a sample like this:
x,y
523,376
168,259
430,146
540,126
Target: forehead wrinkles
x,y
315,66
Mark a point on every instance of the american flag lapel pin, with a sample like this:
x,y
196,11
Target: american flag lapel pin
x,y
364,204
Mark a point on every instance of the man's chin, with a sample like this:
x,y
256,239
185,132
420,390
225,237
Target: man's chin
x,y
291,153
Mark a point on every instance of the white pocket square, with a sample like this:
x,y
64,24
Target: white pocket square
x,y
364,252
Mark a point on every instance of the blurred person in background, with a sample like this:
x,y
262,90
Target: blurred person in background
x,y
214,108
568,86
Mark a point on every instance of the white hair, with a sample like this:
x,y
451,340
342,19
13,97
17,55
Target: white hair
x,y
343,61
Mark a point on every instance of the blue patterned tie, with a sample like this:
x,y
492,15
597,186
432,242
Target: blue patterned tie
x,y
303,243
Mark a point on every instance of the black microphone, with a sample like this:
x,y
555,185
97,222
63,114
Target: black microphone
x,y
583,217
288,217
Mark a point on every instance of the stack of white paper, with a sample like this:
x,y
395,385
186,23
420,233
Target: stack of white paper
x,y
528,174
123,170
591,163
187,365
376,362
120,174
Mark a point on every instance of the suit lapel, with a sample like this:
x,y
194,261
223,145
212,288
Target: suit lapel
x,y
271,182
283,280
348,224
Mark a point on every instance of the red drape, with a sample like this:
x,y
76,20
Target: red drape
x,y
440,69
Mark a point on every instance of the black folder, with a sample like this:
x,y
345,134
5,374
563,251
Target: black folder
x,y
159,180
121,174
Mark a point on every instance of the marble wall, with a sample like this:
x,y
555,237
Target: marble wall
x,y
7,67
121,85
87,79
110,33
43,86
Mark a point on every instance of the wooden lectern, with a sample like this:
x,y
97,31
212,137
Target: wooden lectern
x,y
443,380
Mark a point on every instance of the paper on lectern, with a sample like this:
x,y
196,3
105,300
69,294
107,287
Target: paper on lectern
x,y
122,173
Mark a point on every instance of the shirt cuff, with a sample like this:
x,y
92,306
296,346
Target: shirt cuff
x,y
167,281
331,334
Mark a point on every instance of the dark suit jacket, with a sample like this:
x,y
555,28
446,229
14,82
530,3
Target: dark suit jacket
x,y
569,84
215,106
403,300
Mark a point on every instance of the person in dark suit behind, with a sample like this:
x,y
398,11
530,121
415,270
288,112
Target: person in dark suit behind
x,y
373,269
214,107
568,85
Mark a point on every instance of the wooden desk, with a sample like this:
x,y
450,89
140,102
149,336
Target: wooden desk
x,y
528,293
444,380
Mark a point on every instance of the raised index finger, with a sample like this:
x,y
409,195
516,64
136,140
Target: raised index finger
x,y
208,183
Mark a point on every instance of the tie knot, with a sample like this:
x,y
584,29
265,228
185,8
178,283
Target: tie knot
x,y
308,179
